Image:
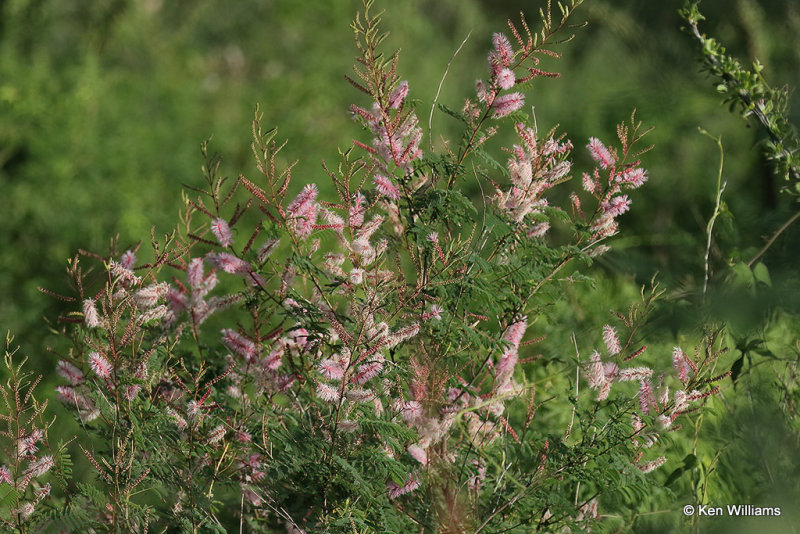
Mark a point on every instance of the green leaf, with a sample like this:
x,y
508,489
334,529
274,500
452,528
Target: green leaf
x,y
761,274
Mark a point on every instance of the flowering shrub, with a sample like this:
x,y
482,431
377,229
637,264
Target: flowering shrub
x,y
358,357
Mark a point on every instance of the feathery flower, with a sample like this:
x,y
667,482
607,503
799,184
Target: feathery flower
x,y
123,274
506,104
633,177
228,263
633,373
357,276
680,364
40,467
239,344
401,335
356,215
502,47
327,392
147,297
435,313
70,372
538,230
216,435
128,259
611,340
505,367
514,333
303,211
303,202
646,398
506,79
396,491
330,369
99,365
589,183
222,232
386,187
131,391
652,466
367,372
616,206
594,371
418,453
5,475
600,153
398,95
27,444
180,422
90,315
411,411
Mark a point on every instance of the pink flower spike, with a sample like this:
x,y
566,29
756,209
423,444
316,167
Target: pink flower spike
x,y
652,466
634,177
594,371
385,187
538,230
418,453
216,435
330,369
634,373
680,364
222,232
396,491
611,340
616,206
128,260
589,183
228,263
303,201
327,392
600,153
514,333
239,344
357,276
506,79
70,372
40,467
356,216
90,315
411,411
5,475
503,48
398,95
367,372
646,399
99,365
506,104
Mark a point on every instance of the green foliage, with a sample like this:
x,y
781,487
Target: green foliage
x,y
749,91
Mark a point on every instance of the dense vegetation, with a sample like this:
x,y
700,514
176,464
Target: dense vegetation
x,y
104,108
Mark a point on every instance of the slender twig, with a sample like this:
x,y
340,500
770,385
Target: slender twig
x,y
439,89
710,227
772,239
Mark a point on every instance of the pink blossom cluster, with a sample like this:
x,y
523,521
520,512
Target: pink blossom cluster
x,y
396,141
533,169
607,183
192,299
29,468
502,78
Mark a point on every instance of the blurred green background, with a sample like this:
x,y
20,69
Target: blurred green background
x,y
104,104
